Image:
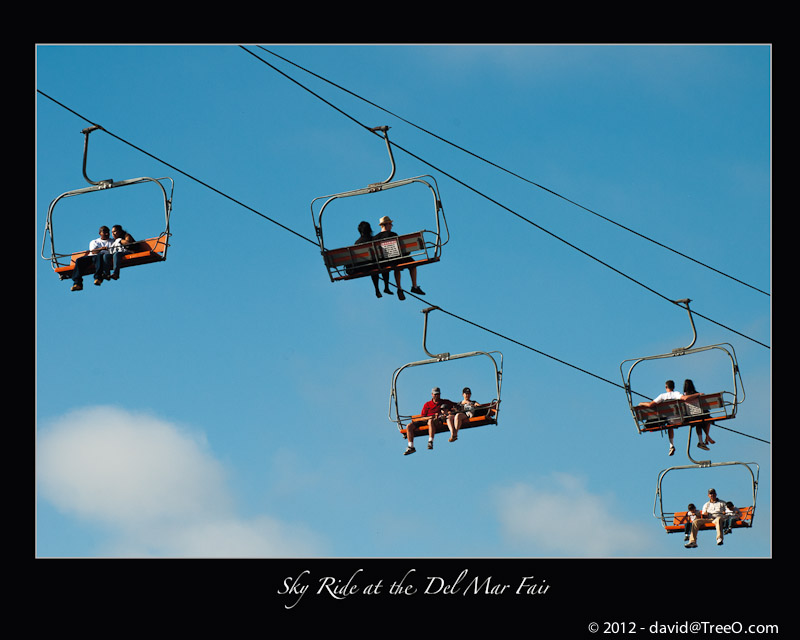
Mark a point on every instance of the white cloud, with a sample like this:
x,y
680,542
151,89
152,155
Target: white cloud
x,y
560,517
155,486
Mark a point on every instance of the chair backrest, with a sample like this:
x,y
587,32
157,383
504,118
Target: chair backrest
x,y
669,411
349,256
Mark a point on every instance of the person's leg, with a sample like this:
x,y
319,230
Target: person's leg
x,y
77,276
99,268
399,288
451,426
375,284
115,264
729,520
700,442
695,528
461,418
410,437
386,289
432,424
414,287
718,522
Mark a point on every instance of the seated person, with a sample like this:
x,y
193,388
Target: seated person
x,y
386,232
669,394
435,410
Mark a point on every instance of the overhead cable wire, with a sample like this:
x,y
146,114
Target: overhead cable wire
x,y
236,201
516,175
502,206
205,184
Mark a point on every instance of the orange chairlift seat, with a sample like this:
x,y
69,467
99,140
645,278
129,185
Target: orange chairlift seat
x,y
412,249
744,518
485,414
675,521
141,252
699,410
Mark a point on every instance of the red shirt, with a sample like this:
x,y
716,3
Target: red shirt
x,y
432,407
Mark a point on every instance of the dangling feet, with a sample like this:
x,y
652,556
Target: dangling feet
x,y
416,289
400,294
409,451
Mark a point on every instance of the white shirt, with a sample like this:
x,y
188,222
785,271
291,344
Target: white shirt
x,y
469,406
669,395
99,243
714,509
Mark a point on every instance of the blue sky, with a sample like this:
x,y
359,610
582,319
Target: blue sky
x,y
233,402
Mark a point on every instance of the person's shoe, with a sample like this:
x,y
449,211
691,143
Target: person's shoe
x,y
702,446
686,537
430,444
77,287
400,294
417,290
409,451
389,291
114,276
672,449
690,545
378,294
719,541
710,441
98,281
453,438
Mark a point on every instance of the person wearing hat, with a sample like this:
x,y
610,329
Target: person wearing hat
x,y
386,232
713,511
466,408
433,409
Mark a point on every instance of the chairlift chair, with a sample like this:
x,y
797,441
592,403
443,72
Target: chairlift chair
x,y
487,413
145,251
707,408
409,250
675,521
